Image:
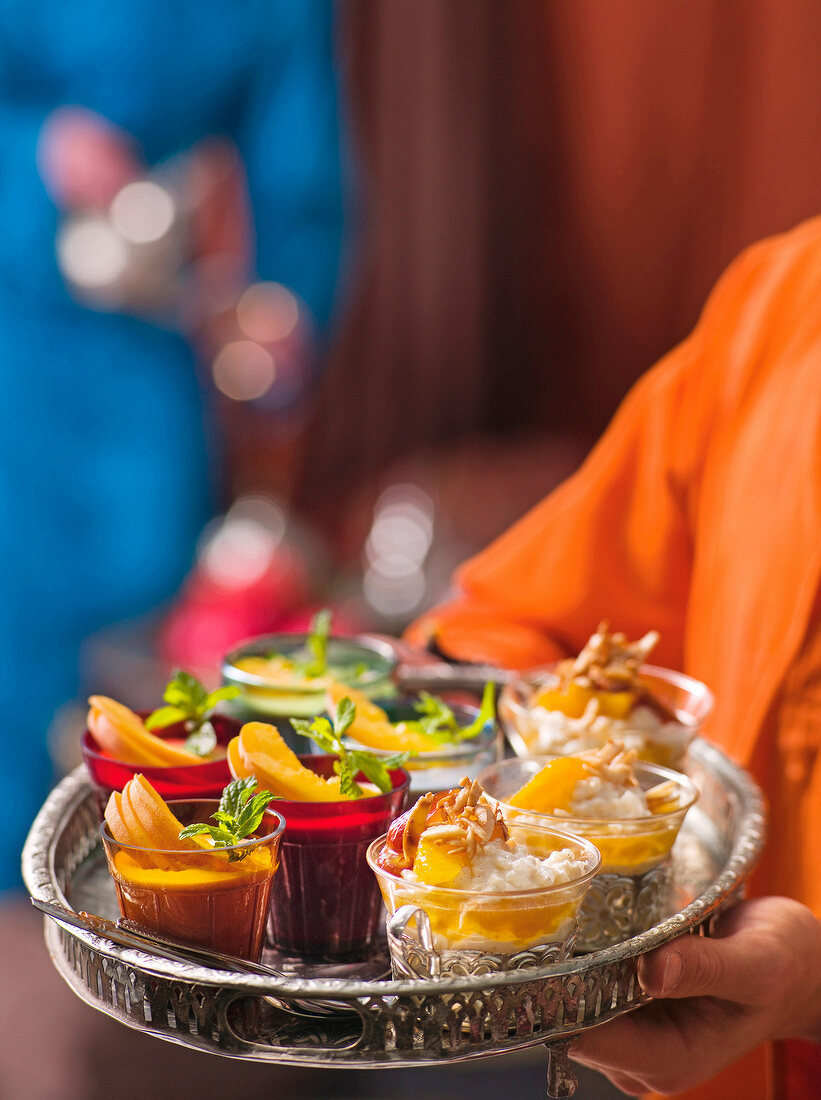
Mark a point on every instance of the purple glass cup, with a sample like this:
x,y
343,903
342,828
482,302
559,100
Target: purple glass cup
x,y
326,905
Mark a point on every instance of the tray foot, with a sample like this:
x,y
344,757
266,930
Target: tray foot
x,y
561,1080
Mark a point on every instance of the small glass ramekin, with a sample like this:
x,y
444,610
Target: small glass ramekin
x,y
443,768
204,780
263,701
632,891
326,906
473,932
532,732
199,896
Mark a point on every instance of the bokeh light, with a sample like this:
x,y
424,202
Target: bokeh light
x,y
90,252
143,212
397,546
267,312
243,370
237,550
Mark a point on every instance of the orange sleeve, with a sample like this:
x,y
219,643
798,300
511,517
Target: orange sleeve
x,y
615,540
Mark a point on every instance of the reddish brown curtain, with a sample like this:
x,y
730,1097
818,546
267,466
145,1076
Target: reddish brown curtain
x,y
552,187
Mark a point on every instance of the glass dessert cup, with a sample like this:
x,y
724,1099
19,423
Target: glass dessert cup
x,y
200,896
632,891
437,930
442,769
532,730
327,907
264,701
205,780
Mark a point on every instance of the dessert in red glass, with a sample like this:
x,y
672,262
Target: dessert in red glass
x,y
326,905
183,886
180,747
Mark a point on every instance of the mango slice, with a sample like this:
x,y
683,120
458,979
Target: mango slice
x,y
260,751
139,817
551,788
573,701
122,734
278,672
436,864
372,727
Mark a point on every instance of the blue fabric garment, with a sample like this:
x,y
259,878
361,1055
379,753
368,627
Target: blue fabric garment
x,y
104,460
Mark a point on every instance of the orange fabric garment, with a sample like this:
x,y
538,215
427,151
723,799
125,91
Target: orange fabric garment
x,y
699,514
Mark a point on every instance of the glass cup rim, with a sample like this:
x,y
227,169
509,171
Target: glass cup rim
x,y
367,643
529,678
535,891
244,845
93,753
684,782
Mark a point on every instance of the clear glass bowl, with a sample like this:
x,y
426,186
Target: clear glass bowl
x,y
473,932
205,780
326,905
443,769
632,890
266,702
196,896
533,731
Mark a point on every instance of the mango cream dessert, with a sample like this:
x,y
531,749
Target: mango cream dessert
x,y
208,884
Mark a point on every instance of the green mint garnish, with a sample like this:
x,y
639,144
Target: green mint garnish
x,y
189,702
351,761
239,814
438,721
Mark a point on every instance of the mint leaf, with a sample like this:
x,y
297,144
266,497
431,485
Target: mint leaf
x,y
487,713
438,721
240,813
189,702
164,717
351,761
376,769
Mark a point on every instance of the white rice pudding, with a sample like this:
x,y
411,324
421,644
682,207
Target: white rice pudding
x,y
506,867
556,734
600,799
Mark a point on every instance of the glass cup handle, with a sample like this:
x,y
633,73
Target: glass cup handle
x,y
398,924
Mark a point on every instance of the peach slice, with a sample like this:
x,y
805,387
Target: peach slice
x,y
372,727
122,733
552,787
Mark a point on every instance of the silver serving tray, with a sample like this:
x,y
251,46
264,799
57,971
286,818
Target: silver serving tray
x,y
378,1023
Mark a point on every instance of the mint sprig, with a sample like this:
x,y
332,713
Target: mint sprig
x,y
238,816
329,737
189,702
438,721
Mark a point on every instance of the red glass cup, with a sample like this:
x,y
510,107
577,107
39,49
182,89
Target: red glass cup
x,y
205,780
193,896
326,904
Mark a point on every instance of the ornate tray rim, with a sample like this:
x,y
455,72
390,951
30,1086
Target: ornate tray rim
x,y
38,863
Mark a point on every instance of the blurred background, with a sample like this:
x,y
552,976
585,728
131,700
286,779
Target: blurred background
x,y
302,303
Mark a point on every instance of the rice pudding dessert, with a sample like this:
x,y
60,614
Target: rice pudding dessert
x,y
484,885
631,811
601,696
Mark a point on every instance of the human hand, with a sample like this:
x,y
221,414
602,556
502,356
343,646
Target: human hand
x,y
84,159
759,978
